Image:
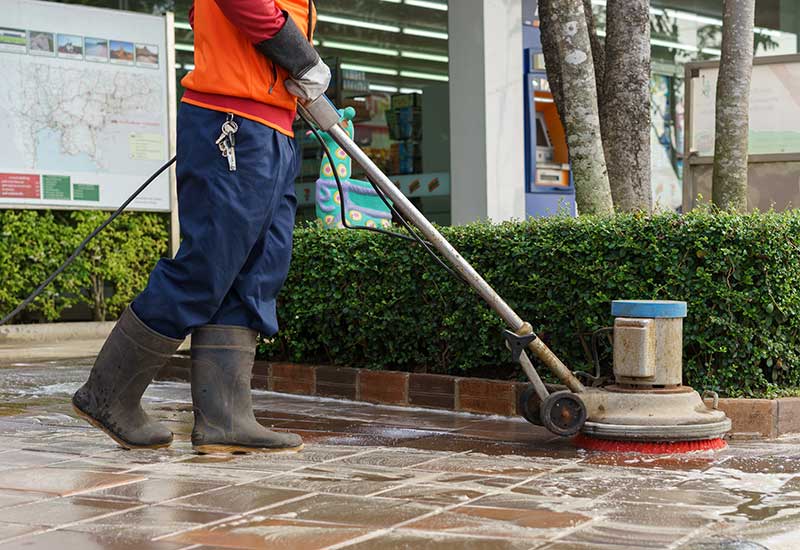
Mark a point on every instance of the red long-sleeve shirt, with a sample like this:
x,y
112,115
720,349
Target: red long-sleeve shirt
x,y
230,75
258,20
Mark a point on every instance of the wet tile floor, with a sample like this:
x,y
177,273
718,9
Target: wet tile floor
x,y
370,477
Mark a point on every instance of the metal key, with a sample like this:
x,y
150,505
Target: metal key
x,y
227,141
231,154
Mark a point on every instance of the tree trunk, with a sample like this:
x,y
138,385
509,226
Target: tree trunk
x,y
549,38
552,61
598,55
729,184
98,298
626,106
565,34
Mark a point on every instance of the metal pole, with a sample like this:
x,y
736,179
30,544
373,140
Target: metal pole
x,y
172,113
447,250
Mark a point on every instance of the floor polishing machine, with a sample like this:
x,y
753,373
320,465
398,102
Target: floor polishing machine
x,y
646,409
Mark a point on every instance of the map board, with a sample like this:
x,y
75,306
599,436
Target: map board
x,y
84,100
774,108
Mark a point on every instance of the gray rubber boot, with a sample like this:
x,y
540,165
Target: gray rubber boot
x,y
111,398
222,365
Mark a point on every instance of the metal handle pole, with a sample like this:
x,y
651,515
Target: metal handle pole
x,y
401,202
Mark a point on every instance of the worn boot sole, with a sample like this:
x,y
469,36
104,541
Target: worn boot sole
x,y
124,444
238,449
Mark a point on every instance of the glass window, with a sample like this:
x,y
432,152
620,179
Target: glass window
x,y
390,63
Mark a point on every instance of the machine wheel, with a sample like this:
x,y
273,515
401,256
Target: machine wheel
x,y
529,406
563,413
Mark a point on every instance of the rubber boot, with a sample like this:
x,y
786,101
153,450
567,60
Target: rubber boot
x,y
222,364
111,398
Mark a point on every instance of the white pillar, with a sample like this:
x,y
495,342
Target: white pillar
x,y
487,157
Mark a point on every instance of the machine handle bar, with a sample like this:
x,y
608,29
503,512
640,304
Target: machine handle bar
x,y
324,114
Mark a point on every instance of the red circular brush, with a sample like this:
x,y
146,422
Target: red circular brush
x,y
648,447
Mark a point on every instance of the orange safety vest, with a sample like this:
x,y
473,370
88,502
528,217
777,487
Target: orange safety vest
x,y
230,75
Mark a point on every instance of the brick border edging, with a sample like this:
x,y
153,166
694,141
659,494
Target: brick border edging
x,y
751,418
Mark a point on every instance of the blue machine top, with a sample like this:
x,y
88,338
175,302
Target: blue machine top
x,y
648,309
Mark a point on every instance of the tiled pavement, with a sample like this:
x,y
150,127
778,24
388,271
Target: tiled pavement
x,y
370,477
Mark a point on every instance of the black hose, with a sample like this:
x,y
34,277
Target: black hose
x,y
412,237
35,294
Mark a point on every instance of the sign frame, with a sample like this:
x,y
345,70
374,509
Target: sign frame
x,y
690,157
167,69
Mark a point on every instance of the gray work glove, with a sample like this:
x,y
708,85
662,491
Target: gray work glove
x,y
312,84
308,75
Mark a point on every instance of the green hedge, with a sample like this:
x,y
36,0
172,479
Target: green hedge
x,y
106,276
364,300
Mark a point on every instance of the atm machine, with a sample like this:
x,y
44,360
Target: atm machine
x,y
549,189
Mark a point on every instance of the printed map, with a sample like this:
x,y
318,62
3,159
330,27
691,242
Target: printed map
x,y
77,117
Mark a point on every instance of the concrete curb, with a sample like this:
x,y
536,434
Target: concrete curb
x,y
54,332
52,341
751,418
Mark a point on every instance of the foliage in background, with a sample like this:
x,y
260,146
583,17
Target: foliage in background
x,y
360,300
106,276
357,299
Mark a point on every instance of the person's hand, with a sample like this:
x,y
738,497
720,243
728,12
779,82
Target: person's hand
x,y
311,84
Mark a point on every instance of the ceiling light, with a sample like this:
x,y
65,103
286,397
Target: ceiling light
x,y
425,56
382,88
182,25
358,48
369,69
697,18
426,4
688,16
425,34
184,47
410,91
675,45
425,76
356,23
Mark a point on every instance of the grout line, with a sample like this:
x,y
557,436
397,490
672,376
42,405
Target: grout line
x,y
442,509
430,477
256,480
72,524
567,532
149,505
434,459
234,517
690,535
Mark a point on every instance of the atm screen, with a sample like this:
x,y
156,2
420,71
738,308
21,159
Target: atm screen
x,y
542,138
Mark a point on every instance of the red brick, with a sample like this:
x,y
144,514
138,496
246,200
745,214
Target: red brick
x,y
751,416
258,382
486,396
337,382
261,368
432,390
292,378
788,415
383,387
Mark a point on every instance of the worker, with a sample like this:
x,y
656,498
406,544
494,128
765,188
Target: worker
x,y
237,161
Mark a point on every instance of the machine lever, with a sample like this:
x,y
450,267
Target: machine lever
x,y
517,344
